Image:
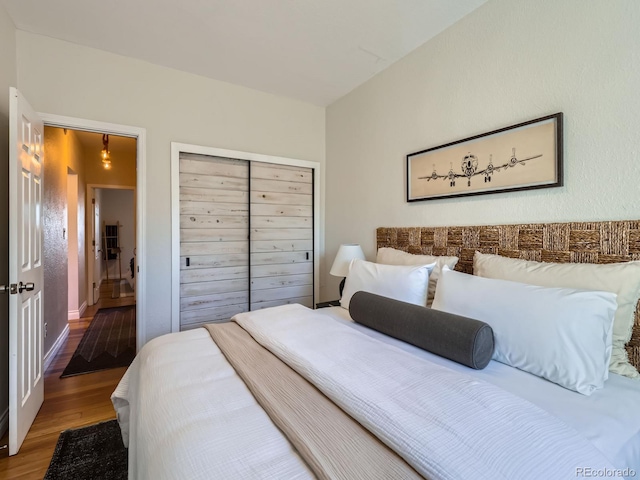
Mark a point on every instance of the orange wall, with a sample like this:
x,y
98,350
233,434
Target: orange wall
x,y
123,166
63,151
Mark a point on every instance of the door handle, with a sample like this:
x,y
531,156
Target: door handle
x,y
26,286
4,288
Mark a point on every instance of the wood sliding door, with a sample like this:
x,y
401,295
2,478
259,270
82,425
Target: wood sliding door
x,y
246,237
214,232
281,235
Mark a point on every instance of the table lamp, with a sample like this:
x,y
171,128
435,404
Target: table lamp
x,y
346,253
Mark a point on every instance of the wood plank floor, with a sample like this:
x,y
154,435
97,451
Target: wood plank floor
x,y
68,402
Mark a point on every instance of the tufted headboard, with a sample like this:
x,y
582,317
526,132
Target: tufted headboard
x,y
578,242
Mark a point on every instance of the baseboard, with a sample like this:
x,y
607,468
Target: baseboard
x,y
4,422
51,354
77,314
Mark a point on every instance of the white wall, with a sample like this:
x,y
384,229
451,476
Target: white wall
x,y
7,79
172,106
97,232
73,292
119,206
507,62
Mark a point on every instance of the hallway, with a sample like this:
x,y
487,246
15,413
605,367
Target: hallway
x,y
69,402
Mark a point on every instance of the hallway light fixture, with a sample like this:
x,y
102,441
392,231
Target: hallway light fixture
x,y
104,154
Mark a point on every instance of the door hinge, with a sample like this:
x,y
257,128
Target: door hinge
x,y
93,201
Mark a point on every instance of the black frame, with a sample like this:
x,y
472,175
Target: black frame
x,y
558,117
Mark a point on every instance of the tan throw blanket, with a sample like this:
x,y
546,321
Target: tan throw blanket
x,y
332,443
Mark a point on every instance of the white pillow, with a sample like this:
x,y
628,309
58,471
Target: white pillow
x,y
561,334
407,284
391,256
622,279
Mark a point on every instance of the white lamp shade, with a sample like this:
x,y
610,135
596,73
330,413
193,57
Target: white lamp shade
x,y
346,253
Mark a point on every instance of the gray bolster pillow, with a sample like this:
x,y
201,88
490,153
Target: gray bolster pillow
x,y
461,339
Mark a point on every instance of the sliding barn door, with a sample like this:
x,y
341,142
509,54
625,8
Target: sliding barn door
x,y
214,232
281,222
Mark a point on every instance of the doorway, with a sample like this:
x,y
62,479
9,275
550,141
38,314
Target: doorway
x,y
112,265
139,135
89,238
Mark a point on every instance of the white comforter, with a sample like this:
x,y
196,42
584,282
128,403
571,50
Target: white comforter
x,y
445,424
609,418
186,415
192,417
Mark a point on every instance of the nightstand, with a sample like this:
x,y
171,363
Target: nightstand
x,y
330,303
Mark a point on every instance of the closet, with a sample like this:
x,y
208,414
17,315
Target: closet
x,y
246,237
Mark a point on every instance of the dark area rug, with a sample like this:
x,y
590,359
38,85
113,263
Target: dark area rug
x,y
109,342
95,452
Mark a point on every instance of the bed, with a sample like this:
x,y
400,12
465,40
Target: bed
x,y
185,412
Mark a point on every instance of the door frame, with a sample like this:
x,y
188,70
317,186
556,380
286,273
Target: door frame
x,y
176,149
140,134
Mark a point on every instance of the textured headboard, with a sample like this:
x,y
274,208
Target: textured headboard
x,y
583,242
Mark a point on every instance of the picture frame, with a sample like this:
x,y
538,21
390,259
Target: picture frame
x,y
524,156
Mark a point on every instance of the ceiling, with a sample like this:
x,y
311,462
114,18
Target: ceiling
x,y
312,50
118,146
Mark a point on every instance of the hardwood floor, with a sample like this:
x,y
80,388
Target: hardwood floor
x,y
68,402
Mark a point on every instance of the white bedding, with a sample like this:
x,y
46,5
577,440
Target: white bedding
x,y
446,424
192,417
609,418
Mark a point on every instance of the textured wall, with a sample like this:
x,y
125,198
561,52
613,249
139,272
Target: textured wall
x,y
55,243
172,106
62,151
7,79
508,61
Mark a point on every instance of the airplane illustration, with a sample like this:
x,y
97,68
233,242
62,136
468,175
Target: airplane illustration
x,y
469,168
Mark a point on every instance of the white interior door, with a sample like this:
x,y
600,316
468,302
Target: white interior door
x,y
93,245
26,276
